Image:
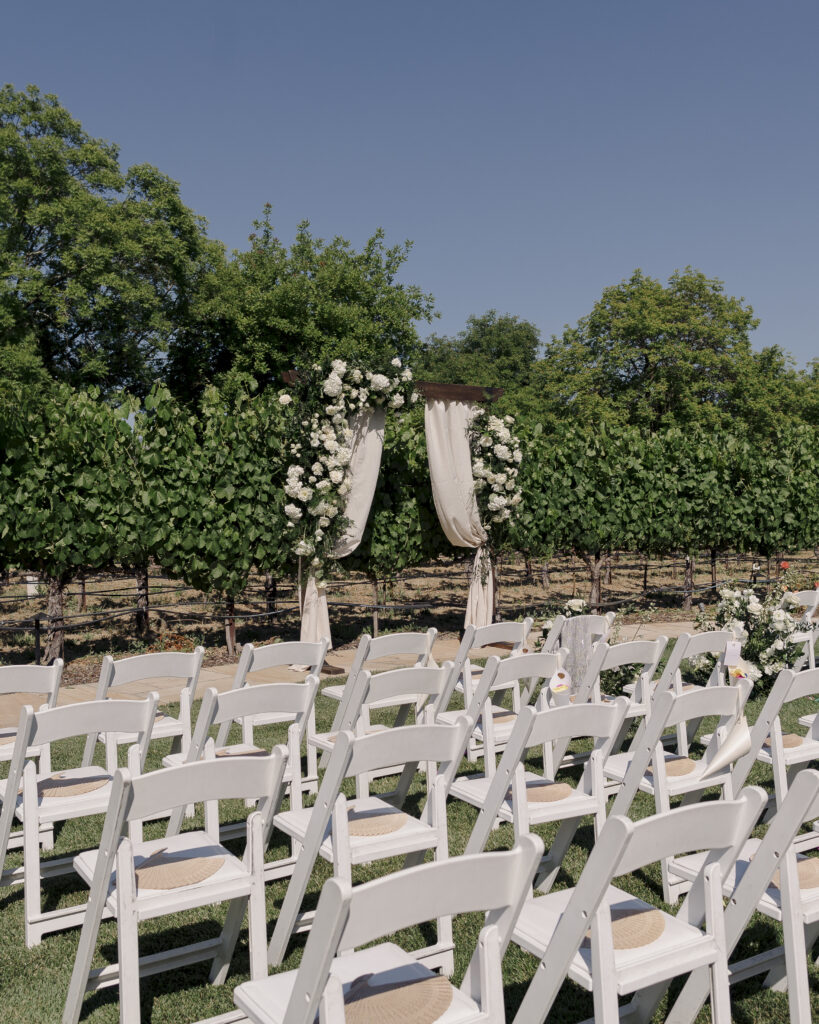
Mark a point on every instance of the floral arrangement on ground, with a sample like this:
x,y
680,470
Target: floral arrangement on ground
x,y
766,628
320,409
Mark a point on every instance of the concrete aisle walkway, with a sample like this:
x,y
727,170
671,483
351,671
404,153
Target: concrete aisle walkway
x,y
338,663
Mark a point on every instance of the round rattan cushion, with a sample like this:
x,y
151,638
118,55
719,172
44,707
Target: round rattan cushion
x,y
163,870
59,785
676,766
420,1001
230,752
375,823
545,792
807,871
633,927
789,739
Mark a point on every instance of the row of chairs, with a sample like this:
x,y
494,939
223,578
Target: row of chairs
x,y
366,751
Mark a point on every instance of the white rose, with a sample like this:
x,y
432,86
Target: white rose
x,y
332,512
406,374
333,385
378,382
496,502
324,522
396,401
305,493
356,376
502,453
292,511
414,397
323,485
509,419
396,361
317,468
336,476
343,455
517,455
285,399
319,535
339,367
303,548
344,488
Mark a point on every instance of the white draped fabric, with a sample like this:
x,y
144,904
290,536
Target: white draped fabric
x,y
367,445
447,424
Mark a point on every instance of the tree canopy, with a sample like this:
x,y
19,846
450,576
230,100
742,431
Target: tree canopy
x,y
274,308
495,350
96,264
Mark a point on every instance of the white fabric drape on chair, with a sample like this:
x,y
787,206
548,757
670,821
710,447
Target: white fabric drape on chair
x,y
447,424
367,445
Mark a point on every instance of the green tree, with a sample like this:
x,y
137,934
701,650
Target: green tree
x,y
219,510
495,350
62,477
96,264
652,355
272,309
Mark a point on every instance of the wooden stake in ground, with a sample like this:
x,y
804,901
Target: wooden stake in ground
x,y
55,638
142,612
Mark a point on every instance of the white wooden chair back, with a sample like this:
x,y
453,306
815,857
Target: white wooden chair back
x,y
494,884
142,667
512,634
173,664
643,655
28,679
624,847
42,679
806,615
399,684
694,645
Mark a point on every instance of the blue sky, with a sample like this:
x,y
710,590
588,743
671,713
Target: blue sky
x,y
535,152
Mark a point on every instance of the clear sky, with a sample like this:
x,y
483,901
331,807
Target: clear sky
x,y
535,152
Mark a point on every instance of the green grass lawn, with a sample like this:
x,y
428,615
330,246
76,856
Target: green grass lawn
x,y
33,983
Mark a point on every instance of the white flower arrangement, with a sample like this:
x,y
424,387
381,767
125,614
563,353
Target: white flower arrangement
x,y
765,629
318,479
496,456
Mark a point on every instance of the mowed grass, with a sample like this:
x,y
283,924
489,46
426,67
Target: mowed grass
x,y
33,983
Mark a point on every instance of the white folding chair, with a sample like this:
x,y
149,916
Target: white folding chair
x,y
134,881
493,723
369,828
25,679
667,775
806,602
526,798
332,976
643,656
789,895
292,654
373,649
613,944
143,667
291,701
44,798
20,680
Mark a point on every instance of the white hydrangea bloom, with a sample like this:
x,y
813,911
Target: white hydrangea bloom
x,y
333,386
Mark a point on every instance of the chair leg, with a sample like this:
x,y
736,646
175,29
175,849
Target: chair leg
x,y
127,952
31,881
220,965
720,992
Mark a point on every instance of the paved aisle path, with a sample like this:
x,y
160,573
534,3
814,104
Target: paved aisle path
x,y
339,663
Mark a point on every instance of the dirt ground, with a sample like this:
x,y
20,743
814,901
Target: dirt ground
x,y
100,613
